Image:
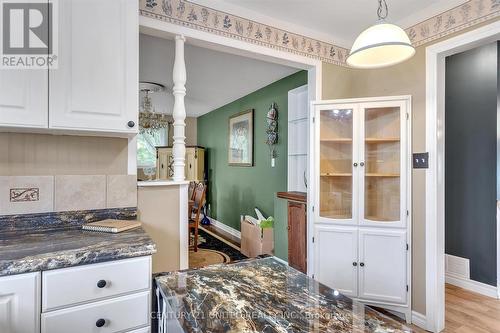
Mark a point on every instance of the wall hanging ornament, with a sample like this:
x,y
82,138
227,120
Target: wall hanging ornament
x,y
272,131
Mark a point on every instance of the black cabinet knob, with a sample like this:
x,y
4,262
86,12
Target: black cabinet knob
x,y
101,284
355,164
355,264
362,164
100,323
131,124
362,264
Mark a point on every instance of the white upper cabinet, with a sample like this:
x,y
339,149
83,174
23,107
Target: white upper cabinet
x,y
95,87
23,98
20,303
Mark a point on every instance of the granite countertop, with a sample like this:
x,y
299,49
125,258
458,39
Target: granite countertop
x,y
56,240
263,295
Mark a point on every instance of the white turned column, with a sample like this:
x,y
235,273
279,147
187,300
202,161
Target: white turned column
x,y
179,113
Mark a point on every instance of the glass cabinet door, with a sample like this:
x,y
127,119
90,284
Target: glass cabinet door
x,y
381,164
336,136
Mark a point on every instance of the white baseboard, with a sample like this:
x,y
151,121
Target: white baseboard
x,y
418,319
224,227
471,285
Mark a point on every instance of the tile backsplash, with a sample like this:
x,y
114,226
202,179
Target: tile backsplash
x,y
42,194
26,194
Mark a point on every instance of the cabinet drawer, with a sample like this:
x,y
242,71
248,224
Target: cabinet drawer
x,y
117,315
76,285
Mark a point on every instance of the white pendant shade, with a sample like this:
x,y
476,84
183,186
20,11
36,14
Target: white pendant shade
x,y
381,45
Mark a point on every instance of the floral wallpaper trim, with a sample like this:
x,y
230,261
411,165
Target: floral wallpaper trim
x,y
456,19
198,17
191,15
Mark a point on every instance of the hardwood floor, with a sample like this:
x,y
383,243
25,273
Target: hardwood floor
x,y
468,312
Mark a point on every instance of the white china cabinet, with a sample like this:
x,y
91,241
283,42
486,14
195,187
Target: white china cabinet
x,y
361,199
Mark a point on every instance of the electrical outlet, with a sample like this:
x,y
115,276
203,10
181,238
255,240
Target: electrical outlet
x,y
421,160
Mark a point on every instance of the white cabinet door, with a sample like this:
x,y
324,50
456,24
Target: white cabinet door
x,y
95,86
24,98
20,303
382,261
336,258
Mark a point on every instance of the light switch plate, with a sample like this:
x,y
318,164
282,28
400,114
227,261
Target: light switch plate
x,y
421,161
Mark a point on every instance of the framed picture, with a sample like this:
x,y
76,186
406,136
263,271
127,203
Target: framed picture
x,y
240,140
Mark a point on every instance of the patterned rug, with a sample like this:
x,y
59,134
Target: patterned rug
x,y
211,250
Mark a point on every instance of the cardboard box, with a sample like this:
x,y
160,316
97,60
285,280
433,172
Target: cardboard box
x,y
256,241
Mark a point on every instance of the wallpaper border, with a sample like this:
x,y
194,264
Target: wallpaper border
x,y
191,15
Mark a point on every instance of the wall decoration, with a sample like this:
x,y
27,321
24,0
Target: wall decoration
x,y
191,15
240,139
272,131
24,194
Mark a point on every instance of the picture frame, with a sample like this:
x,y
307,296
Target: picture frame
x,y
240,139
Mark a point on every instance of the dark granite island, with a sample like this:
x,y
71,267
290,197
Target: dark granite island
x,y
260,295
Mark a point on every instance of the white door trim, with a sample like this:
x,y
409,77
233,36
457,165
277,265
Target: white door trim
x,y
435,187
168,30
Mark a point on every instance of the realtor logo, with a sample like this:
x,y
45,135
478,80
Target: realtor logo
x,y
28,34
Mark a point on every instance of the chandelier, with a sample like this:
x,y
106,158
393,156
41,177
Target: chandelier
x,y
149,119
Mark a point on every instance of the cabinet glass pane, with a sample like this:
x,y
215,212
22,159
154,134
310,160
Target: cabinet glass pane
x,y
382,164
336,135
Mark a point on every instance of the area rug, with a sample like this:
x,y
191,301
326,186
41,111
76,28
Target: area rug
x,y
211,251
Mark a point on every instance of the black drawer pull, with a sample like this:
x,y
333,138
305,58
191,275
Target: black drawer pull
x,y
362,264
355,264
100,323
101,284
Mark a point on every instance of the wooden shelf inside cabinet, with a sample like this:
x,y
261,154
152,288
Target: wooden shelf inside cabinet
x,y
336,174
381,140
333,215
386,175
346,140
378,218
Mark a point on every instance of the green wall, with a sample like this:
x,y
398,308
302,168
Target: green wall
x,y
235,191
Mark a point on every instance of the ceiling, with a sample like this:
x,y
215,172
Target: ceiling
x,y
214,79
337,21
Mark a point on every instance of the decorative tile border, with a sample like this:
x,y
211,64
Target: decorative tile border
x,y
24,194
202,18
459,18
191,15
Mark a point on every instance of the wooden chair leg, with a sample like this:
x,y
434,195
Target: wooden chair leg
x,y
196,239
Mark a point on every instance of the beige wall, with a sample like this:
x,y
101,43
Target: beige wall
x,y
158,210
191,132
44,154
407,78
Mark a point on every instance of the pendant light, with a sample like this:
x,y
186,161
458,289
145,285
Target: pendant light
x,y
381,45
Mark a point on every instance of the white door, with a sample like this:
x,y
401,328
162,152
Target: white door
x,y
24,98
336,258
336,164
95,87
382,265
20,303
383,161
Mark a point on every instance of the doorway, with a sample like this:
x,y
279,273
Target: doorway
x,y
436,174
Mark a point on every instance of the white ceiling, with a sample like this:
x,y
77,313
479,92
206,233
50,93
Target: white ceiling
x,y
214,79
337,21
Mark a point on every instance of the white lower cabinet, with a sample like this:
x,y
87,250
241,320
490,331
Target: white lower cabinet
x,y
363,263
107,297
382,265
20,303
337,253
116,315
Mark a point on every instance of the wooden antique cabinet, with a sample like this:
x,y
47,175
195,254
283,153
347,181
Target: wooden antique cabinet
x,y
195,163
361,202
